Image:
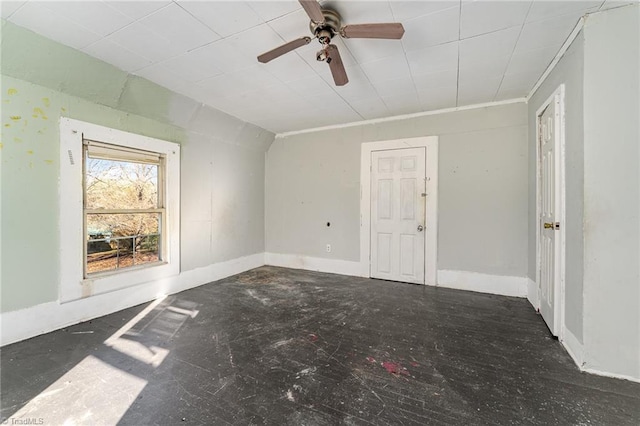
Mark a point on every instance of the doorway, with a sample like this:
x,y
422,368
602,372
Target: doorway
x,y
398,210
551,211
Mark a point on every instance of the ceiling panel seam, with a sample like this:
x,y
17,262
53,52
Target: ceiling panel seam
x,y
512,52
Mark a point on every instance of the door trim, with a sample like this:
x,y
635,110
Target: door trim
x,y
430,143
559,272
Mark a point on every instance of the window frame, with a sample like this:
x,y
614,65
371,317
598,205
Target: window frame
x,y
73,284
160,202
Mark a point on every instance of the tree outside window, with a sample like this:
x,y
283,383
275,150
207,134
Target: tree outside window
x,y
123,208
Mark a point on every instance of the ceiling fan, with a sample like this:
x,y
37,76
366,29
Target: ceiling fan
x,y
326,24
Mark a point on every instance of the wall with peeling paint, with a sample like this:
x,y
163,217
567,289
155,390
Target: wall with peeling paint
x,y
222,188
314,178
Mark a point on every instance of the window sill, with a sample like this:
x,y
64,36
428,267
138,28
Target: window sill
x,y
122,271
118,281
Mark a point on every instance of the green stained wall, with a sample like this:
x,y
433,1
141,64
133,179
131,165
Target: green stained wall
x,y
29,170
94,89
29,182
41,81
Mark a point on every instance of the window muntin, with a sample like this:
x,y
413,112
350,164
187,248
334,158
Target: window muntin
x,y
124,212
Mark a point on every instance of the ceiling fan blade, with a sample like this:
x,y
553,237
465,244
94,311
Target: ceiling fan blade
x,y
389,30
281,50
336,66
313,9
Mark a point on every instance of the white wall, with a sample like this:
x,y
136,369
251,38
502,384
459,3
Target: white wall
x,y
612,192
601,73
568,71
222,190
313,178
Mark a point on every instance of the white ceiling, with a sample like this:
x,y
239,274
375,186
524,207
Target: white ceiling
x,y
453,53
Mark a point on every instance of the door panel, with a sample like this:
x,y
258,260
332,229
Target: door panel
x,y
407,252
547,221
398,215
408,199
385,196
383,251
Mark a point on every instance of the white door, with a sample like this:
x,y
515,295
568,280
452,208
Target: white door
x,y
398,215
549,203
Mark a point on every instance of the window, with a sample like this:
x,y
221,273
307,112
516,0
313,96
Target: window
x,y
123,208
119,209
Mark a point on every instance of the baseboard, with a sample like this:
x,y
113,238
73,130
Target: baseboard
x,y
612,375
577,352
30,322
573,346
320,264
532,294
483,283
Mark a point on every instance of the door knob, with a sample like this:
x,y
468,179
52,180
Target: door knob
x,y
548,225
420,228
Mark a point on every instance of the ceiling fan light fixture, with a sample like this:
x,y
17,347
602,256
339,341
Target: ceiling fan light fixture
x,y
322,55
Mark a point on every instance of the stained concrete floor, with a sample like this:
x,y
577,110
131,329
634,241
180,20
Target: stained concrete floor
x,y
280,346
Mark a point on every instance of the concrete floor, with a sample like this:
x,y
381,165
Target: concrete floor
x,y
280,346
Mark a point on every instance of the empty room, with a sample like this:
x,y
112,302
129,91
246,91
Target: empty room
x,y
302,212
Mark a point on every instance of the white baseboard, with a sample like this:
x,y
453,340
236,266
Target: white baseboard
x,y
483,283
532,294
40,319
320,264
612,375
573,346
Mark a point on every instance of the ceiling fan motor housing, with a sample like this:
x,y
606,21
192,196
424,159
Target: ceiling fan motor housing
x,y
325,31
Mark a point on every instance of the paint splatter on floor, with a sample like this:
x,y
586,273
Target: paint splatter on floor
x,y
313,337
394,368
371,359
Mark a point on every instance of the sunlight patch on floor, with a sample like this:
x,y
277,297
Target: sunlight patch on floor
x,y
93,392
98,390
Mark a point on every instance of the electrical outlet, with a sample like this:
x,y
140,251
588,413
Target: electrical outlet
x,y
328,248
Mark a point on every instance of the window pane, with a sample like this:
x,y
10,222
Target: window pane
x,y
120,184
116,241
